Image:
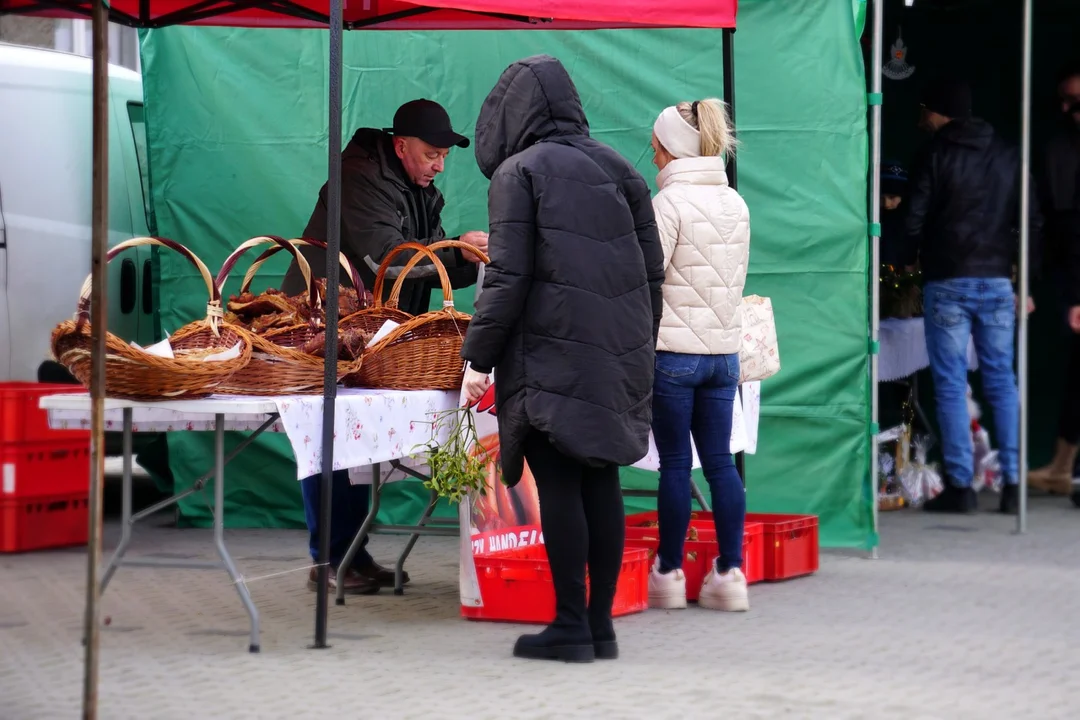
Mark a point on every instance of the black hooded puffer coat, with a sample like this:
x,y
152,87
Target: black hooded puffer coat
x,y
571,301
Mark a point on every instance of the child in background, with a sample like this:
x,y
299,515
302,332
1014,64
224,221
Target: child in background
x,y
893,190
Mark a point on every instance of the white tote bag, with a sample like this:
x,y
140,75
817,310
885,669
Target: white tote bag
x,y
759,357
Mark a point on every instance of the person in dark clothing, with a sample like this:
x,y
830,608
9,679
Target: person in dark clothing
x,y
894,251
568,318
1061,198
963,208
387,198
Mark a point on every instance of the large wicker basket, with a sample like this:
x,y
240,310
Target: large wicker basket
x,y
278,366
371,319
134,374
423,353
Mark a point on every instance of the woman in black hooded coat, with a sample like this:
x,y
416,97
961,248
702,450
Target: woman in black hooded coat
x,y
568,317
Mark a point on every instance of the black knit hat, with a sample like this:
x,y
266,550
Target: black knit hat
x,y
894,178
948,96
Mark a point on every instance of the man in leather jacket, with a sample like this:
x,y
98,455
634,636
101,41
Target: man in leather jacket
x,y
962,217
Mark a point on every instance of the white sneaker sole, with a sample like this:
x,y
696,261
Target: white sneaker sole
x,y
725,601
667,602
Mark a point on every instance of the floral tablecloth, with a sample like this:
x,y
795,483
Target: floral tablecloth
x,y
370,426
902,352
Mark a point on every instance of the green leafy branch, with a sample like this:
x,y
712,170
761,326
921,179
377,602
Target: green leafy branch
x,y
458,465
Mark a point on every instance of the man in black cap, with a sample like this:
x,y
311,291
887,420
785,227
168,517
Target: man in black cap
x,y
962,217
387,198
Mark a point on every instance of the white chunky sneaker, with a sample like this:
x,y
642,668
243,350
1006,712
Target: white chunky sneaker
x,y
667,591
725,591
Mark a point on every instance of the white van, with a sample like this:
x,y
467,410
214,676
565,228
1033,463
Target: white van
x,y
45,203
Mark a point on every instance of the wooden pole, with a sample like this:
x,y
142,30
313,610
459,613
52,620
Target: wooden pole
x,y
98,318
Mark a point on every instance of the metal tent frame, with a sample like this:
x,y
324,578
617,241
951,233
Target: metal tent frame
x,y
444,15
1025,242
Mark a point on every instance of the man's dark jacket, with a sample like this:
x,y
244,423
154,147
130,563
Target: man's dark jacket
x,y
964,205
380,209
572,301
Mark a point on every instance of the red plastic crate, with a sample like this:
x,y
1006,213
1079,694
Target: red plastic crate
x,y
699,554
23,421
42,469
516,586
791,544
36,523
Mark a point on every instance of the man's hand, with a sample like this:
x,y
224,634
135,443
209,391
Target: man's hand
x,y
479,240
474,385
1074,318
1030,305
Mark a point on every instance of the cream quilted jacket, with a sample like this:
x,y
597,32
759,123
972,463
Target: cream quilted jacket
x,y
705,229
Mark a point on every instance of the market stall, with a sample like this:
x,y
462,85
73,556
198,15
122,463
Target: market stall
x,y
476,14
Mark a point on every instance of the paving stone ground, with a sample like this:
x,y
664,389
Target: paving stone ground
x,y
959,618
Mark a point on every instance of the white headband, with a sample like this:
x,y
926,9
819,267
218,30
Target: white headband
x,y
676,135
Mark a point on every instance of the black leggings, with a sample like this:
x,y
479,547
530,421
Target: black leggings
x,y
581,512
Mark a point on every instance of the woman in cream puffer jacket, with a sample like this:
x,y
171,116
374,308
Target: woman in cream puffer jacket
x,y
705,231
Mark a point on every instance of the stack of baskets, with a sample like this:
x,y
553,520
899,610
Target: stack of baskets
x,y
133,373
278,364
422,352
419,353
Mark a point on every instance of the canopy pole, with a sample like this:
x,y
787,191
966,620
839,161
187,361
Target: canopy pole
x,y
728,49
729,98
333,248
875,249
1025,239
98,331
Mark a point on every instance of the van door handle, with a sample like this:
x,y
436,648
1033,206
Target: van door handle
x,y
147,287
127,286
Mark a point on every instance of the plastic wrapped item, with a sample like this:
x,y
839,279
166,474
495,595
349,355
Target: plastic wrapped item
x,y
920,481
987,466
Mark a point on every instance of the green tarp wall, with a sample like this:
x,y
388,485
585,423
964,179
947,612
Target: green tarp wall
x,y
237,132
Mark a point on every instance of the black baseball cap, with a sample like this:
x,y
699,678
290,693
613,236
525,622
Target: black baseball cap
x,y
948,95
429,121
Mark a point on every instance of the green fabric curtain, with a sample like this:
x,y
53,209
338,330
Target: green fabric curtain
x,y
237,125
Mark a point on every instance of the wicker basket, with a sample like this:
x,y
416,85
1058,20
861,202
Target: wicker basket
x,y
372,319
423,353
280,369
134,374
296,336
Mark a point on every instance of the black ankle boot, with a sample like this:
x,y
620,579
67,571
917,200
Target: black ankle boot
x,y
557,642
955,500
603,629
1010,500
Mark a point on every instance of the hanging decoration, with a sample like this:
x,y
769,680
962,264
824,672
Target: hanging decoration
x,y
897,68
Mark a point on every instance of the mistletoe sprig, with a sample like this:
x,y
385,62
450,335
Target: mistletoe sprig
x,y
457,465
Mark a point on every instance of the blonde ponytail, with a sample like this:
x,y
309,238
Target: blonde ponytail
x,y
710,118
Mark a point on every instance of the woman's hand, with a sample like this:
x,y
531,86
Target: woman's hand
x,y
474,385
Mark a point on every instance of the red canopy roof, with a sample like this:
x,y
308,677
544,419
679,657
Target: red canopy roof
x,y
397,15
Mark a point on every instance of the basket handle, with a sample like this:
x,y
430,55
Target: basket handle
x,y
384,266
213,307
281,243
349,268
448,294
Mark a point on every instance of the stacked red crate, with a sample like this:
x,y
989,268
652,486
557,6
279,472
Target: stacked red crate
x,y
44,473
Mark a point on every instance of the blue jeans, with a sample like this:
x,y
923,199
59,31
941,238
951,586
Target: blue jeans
x,y
983,309
694,395
349,507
